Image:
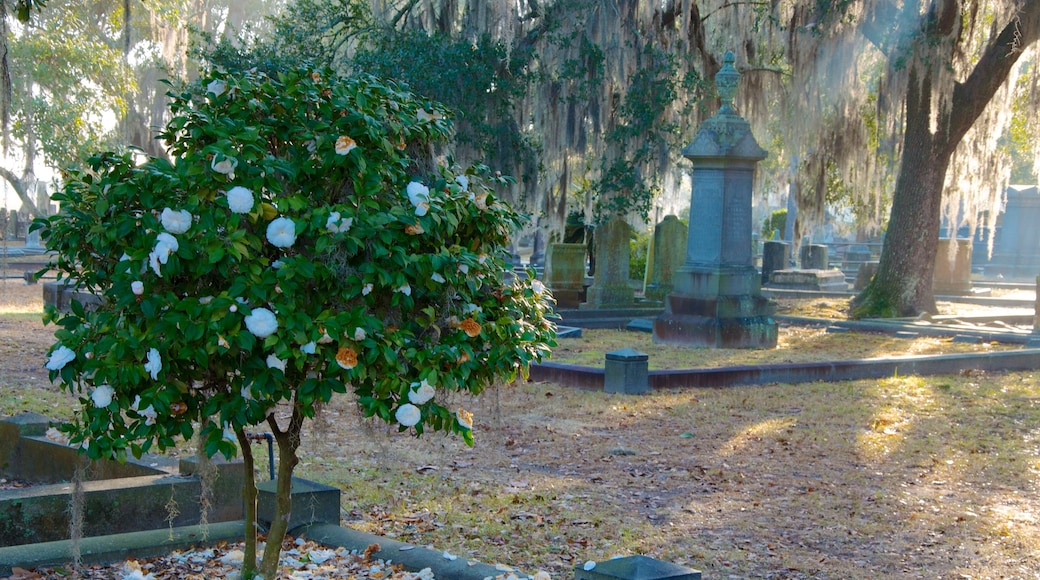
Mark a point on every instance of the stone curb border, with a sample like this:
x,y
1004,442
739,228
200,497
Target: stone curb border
x,y
109,549
594,378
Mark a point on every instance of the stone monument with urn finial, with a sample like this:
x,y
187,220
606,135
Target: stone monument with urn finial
x,y
717,299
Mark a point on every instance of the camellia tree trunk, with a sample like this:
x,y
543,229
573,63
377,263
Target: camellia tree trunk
x,y
934,128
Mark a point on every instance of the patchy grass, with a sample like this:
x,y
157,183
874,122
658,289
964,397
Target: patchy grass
x,y
904,477
794,344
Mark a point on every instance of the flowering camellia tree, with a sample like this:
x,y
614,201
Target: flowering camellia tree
x,y
303,242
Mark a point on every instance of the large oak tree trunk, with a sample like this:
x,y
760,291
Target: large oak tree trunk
x,y
903,283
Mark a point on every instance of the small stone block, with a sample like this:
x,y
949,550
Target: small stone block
x,y
626,371
837,329
640,325
905,334
568,332
312,502
636,568
627,355
967,339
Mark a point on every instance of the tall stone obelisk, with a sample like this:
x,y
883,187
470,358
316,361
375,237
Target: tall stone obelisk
x,y
717,293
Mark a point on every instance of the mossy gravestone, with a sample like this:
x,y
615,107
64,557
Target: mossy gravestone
x,y
565,273
669,253
611,288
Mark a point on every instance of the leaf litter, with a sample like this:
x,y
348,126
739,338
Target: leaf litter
x,y
908,477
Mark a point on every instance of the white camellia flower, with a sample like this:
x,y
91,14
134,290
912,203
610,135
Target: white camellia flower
x,y
436,277
217,87
60,357
274,362
165,245
367,289
405,289
421,392
537,287
359,334
149,415
102,396
225,166
419,195
463,181
175,222
240,199
261,322
408,415
337,224
137,287
154,364
153,261
309,348
281,232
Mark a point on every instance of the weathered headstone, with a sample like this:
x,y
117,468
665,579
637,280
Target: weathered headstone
x,y
774,257
538,249
669,253
952,272
1016,247
717,298
611,289
855,256
565,273
813,257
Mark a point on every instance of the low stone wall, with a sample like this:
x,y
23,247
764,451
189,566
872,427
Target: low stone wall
x,y
151,493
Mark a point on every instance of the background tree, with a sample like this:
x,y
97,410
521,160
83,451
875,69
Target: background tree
x,y
946,61
56,115
303,243
555,92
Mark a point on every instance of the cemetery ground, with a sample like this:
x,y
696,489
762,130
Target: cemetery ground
x,y
905,477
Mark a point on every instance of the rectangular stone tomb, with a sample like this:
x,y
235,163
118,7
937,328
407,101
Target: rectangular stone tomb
x,y
147,494
818,280
312,502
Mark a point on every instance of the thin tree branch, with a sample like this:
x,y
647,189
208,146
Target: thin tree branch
x,y
19,189
993,68
402,12
766,69
732,4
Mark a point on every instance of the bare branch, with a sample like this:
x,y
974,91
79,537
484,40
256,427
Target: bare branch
x,y
766,69
993,68
403,12
19,188
732,4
